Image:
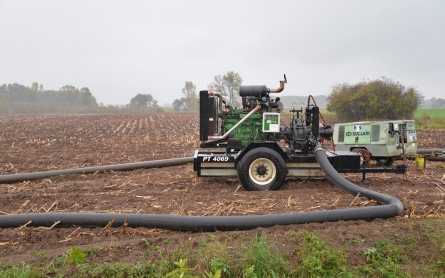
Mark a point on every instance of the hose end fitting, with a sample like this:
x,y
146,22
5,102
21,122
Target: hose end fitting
x,y
318,148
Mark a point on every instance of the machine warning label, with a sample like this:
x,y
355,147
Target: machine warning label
x,y
271,122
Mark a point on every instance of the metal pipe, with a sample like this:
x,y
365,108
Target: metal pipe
x,y
435,158
220,96
430,151
88,170
236,125
278,90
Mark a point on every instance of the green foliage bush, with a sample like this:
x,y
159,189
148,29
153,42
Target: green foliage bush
x,y
381,99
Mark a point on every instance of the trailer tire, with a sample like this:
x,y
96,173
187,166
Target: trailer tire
x,y
386,161
262,169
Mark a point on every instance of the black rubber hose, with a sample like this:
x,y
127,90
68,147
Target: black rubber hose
x,y
392,207
87,170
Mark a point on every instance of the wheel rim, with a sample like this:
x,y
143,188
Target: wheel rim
x,y
365,156
262,171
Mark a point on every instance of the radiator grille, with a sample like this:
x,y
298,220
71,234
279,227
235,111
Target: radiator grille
x,y
402,128
341,134
375,133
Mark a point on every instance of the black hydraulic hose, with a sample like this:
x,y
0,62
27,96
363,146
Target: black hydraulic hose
x,y
392,207
87,170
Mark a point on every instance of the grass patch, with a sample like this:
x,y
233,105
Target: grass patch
x,y
417,253
430,118
260,255
383,259
431,112
319,259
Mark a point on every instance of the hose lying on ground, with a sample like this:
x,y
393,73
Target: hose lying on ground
x,y
88,170
391,207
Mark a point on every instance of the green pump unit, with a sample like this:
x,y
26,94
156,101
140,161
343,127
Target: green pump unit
x,y
257,121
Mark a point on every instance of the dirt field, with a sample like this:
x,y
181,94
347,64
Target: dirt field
x,y
48,142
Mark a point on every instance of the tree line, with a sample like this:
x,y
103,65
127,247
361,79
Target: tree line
x,y
366,100
66,96
19,99
437,103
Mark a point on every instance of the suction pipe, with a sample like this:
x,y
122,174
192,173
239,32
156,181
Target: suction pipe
x,y
88,170
392,207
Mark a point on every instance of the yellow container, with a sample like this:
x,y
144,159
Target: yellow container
x,y
420,162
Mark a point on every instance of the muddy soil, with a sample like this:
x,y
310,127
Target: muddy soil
x,y
50,142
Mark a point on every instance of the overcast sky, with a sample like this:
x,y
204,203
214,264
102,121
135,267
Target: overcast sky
x,y
122,48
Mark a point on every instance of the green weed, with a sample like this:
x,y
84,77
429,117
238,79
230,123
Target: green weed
x,y
181,270
217,274
384,258
40,254
18,270
358,241
264,261
120,269
76,256
146,242
318,259
220,263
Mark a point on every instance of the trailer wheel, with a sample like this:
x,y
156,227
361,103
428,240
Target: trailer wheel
x,y
386,161
261,169
365,155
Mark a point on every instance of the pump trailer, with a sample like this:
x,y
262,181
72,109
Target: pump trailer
x,y
248,142
251,143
